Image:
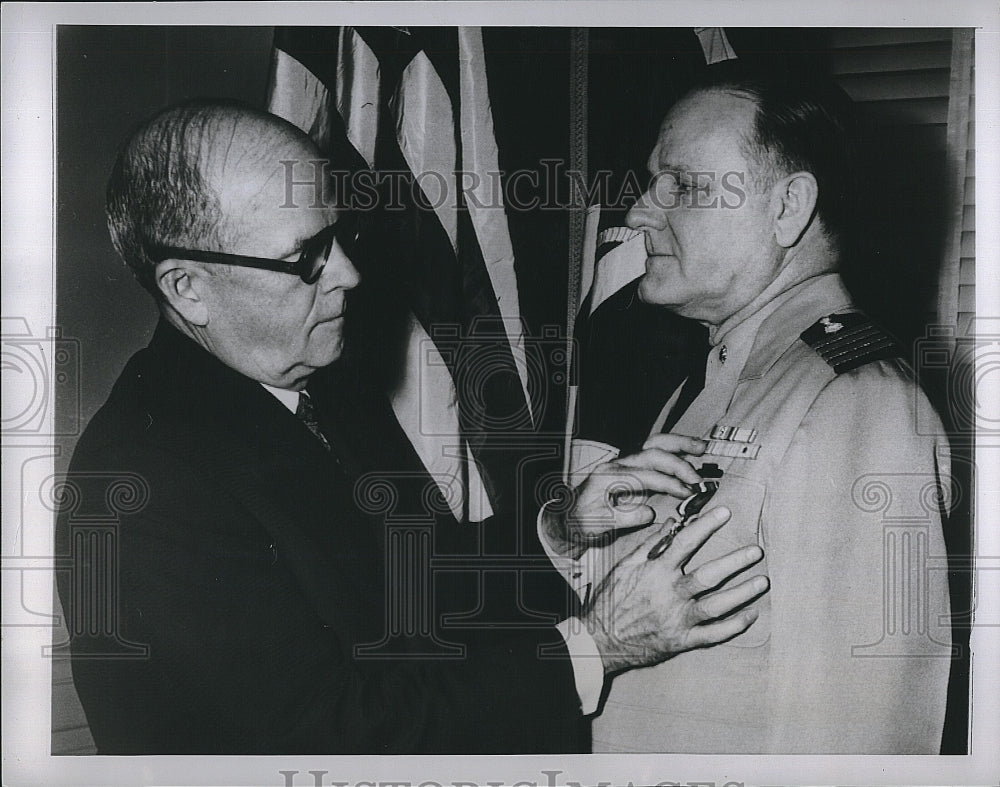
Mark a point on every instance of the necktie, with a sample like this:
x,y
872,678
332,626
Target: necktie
x,y
306,412
689,392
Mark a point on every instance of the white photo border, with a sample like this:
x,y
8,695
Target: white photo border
x,y
28,249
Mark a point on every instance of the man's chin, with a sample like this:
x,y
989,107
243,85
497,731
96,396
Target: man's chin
x,y
654,290
326,341
299,375
331,352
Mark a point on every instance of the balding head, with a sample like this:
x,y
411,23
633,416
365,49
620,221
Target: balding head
x,y
180,178
198,208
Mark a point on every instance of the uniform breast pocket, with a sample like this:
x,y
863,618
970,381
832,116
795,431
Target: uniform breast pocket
x,y
745,499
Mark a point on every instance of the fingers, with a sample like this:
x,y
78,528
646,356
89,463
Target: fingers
x,y
634,516
666,462
715,572
626,518
721,630
659,469
626,484
697,532
637,553
723,602
677,444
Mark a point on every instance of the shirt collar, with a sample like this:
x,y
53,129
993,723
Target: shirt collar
x,y
288,398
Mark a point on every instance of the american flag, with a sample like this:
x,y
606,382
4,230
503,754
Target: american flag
x,y
413,104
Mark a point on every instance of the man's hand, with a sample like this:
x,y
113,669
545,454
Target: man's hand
x,y
646,611
614,496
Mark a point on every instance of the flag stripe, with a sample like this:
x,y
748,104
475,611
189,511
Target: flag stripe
x,y
314,47
588,253
714,44
298,95
480,158
473,304
358,92
425,132
304,64
426,405
621,264
414,105
415,121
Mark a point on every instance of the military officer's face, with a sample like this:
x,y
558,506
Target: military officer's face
x,y
273,326
711,249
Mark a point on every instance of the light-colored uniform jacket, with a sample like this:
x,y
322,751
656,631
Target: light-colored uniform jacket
x,y
851,652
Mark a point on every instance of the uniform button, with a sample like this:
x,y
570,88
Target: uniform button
x,y
723,353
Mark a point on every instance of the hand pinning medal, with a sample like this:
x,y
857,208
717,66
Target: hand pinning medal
x,y
690,507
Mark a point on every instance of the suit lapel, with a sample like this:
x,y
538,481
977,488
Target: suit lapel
x,y
249,446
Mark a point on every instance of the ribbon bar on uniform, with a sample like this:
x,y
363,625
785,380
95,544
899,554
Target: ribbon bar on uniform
x,y
734,434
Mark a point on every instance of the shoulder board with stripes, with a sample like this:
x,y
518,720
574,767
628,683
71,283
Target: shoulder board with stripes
x,y
847,341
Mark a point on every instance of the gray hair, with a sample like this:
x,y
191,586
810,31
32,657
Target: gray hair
x,y
160,191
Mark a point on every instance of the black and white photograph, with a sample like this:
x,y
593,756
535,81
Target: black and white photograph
x,y
565,393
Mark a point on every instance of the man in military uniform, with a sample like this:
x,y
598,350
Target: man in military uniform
x,y
805,428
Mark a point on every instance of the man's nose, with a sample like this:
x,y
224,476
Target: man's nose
x,y
339,272
645,214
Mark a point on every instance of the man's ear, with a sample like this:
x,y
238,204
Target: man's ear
x,y
180,285
795,198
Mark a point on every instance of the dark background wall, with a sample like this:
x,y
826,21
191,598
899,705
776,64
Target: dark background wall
x,y
107,80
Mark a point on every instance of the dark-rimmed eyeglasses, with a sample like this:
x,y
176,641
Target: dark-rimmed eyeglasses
x,y
346,230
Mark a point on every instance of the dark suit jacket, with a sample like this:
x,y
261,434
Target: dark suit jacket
x,y
252,576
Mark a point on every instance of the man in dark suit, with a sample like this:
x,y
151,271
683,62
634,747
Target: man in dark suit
x,y
248,577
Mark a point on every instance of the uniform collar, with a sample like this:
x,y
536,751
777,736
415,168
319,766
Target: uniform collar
x,y
734,341
747,349
753,345
731,347
795,310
